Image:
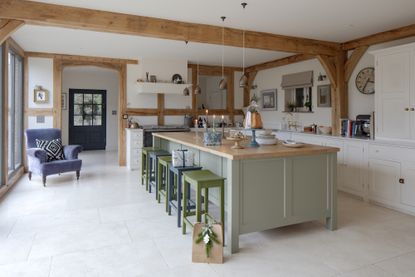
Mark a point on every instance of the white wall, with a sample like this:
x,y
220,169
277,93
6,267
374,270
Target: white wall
x,y
94,78
271,79
40,71
358,102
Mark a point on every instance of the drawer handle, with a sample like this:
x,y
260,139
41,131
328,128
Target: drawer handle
x,y
406,109
401,180
412,109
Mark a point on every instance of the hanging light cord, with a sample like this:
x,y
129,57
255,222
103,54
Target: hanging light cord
x,y
243,43
223,45
198,72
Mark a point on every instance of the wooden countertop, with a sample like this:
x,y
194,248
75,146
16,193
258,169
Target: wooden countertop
x,y
189,139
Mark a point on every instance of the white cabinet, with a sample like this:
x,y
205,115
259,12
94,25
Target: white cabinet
x,y
384,181
354,168
407,185
395,92
134,145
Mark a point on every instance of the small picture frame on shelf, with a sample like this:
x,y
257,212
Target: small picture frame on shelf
x,y
269,100
153,79
64,101
40,95
324,96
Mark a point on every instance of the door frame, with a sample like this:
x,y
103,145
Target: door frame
x,y
60,63
104,109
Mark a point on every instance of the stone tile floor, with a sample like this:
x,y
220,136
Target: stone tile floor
x,y
108,225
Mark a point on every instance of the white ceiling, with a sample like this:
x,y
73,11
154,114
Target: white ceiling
x,y
79,42
332,20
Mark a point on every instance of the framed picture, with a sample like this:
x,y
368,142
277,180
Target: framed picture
x,y
324,96
40,95
64,101
269,100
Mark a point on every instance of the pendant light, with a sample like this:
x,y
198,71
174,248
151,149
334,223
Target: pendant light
x,y
186,91
223,84
243,82
198,89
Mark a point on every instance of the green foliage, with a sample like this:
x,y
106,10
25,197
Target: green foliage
x,y
208,237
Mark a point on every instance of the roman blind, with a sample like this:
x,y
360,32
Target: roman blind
x,y
295,80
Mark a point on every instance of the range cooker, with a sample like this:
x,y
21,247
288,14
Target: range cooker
x,y
148,131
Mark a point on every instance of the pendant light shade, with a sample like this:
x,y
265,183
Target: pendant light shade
x,y
223,84
243,82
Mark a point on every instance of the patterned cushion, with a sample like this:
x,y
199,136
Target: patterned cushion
x,y
53,148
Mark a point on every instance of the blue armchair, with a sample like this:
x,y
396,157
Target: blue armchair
x,y
37,158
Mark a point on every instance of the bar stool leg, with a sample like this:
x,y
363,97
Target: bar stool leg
x,y
170,191
206,204
179,198
158,181
143,167
149,173
184,209
166,186
222,209
198,204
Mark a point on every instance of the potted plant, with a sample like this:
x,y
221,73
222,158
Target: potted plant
x,y
291,106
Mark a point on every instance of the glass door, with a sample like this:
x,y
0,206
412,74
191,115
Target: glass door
x,y
15,112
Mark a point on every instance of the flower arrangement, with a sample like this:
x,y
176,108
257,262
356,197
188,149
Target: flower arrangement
x,y
208,236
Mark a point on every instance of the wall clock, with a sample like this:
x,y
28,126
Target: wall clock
x,y
365,80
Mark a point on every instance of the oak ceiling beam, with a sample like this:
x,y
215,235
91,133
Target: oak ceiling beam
x,y
8,27
353,60
399,33
330,68
79,18
280,62
79,58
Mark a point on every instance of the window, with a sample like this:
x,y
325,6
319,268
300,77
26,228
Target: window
x,y
87,109
1,116
15,112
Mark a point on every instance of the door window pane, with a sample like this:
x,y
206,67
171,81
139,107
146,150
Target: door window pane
x,y
88,120
78,98
87,109
78,120
97,99
97,120
97,109
77,109
87,98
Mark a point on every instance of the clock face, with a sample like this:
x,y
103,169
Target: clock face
x,y
365,80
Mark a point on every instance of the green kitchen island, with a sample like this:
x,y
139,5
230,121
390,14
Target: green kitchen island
x,y
266,187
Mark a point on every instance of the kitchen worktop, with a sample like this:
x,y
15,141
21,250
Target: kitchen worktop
x,y
190,139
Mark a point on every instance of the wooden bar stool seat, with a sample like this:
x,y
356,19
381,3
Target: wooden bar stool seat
x,y
174,196
162,178
202,180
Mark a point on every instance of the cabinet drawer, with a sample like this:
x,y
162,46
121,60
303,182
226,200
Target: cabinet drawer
x,y
136,136
387,153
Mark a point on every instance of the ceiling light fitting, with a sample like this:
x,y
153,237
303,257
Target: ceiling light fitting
x,y
223,84
243,82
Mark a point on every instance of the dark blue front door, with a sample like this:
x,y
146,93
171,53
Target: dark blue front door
x,y
87,118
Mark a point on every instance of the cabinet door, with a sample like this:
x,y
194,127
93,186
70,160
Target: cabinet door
x,y
392,95
340,159
384,181
408,187
412,95
353,168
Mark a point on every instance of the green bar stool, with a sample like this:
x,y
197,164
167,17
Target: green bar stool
x,y
162,178
145,160
202,180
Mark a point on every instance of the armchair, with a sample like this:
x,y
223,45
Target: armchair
x,y
37,158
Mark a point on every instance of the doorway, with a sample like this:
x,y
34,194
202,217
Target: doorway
x,y
87,118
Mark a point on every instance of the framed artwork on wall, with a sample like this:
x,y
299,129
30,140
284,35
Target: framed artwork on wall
x,y
324,96
269,100
64,101
40,95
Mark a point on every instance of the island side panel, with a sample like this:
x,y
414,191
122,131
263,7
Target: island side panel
x,y
233,199
331,219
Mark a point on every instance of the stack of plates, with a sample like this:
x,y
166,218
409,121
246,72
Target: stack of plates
x,y
266,138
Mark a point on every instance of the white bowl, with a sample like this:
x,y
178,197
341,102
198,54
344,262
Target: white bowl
x,y
267,141
325,130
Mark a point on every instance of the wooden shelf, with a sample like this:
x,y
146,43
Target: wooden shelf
x,y
297,112
164,88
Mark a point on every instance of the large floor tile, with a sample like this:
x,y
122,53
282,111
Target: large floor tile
x,y
35,268
403,265
368,271
65,239
15,249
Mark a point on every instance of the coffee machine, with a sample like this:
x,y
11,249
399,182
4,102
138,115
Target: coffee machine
x,y
363,126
